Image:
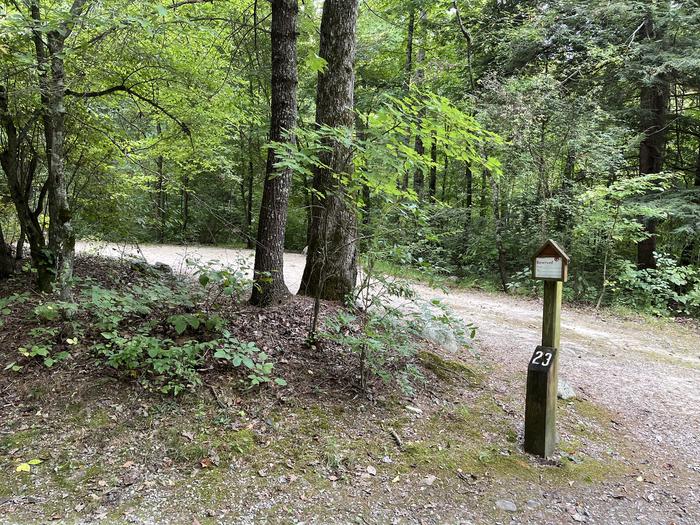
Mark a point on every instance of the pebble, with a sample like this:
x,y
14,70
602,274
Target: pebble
x,y
565,391
506,505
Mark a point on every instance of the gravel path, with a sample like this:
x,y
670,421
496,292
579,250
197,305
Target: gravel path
x,y
647,373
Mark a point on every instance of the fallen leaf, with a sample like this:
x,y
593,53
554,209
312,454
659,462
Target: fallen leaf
x,y
371,471
128,464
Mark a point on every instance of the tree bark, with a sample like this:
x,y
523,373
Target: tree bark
x,y
331,261
654,99
52,88
408,72
7,262
418,175
432,182
269,284
498,226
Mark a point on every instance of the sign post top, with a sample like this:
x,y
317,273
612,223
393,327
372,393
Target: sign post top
x,y
550,262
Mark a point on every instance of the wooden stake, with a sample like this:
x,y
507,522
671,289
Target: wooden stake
x,y
542,378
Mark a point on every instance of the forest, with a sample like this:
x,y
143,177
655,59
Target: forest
x,y
476,132
288,246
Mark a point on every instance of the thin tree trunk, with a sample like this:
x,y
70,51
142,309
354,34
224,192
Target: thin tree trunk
x,y
432,182
7,262
160,197
408,72
185,204
19,248
418,175
249,240
498,224
331,261
269,253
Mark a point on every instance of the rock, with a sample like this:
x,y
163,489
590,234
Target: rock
x,y
506,505
429,480
533,504
442,335
162,267
565,391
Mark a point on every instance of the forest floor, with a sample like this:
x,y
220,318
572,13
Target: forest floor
x,y
317,452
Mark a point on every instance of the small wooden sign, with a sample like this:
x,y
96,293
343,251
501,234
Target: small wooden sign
x,y
550,263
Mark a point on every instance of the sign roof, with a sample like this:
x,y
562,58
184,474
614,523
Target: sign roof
x,y
549,246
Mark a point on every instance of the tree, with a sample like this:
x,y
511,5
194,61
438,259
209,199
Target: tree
x,y
269,284
331,261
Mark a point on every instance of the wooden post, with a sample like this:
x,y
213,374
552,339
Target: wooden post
x,y
550,264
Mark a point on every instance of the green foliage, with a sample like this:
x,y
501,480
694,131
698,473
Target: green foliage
x,y
158,363
6,303
669,288
219,281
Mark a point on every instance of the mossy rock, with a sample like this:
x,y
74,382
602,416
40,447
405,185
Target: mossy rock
x,y
450,370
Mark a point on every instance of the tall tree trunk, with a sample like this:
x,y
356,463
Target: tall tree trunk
x,y
7,262
470,184
408,72
498,226
432,182
160,194
19,172
61,234
331,262
19,247
654,99
52,94
269,253
418,175
249,240
689,253
185,205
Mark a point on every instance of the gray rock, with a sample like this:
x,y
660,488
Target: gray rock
x,y
162,267
565,391
506,505
533,504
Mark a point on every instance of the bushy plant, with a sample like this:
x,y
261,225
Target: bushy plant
x,y
666,289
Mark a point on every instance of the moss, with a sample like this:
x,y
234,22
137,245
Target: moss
x,y
98,419
449,370
20,439
227,444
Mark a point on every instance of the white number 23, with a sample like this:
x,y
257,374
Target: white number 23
x,y
537,360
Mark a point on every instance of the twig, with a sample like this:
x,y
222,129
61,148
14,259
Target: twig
x,y
397,438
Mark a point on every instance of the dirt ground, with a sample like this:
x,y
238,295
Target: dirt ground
x,y
629,448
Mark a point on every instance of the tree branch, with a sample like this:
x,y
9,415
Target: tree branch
x,y
124,89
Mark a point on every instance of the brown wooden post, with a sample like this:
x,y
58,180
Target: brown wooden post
x,y
551,265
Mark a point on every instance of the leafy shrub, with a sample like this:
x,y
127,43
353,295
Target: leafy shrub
x,y
669,288
221,281
161,365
